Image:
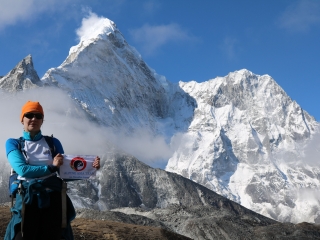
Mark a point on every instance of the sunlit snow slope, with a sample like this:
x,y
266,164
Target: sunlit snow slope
x,y
248,141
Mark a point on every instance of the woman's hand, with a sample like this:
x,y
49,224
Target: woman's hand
x,y
96,163
58,160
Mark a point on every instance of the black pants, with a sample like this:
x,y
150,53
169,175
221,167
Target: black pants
x,y
42,223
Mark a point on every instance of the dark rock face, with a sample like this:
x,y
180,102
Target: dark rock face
x,y
21,77
154,197
129,191
127,182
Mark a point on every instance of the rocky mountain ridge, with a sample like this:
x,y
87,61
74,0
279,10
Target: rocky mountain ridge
x,y
20,78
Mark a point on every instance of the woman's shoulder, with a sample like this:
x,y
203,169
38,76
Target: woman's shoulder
x,y
12,144
13,141
52,139
55,142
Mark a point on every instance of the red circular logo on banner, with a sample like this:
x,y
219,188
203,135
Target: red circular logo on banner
x,y
78,164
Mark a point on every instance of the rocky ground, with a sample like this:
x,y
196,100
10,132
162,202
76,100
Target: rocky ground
x,y
87,229
91,224
104,229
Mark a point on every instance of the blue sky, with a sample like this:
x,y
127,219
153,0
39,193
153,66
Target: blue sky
x,y
181,39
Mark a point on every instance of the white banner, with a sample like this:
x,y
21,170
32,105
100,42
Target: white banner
x,y
77,167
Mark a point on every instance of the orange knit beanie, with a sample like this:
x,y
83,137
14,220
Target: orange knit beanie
x,y
31,107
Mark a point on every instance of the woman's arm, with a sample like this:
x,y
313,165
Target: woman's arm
x,y
18,163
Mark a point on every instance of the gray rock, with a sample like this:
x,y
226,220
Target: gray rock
x,y
154,197
21,77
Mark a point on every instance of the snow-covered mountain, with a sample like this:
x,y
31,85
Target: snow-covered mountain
x,y
247,141
110,80
239,135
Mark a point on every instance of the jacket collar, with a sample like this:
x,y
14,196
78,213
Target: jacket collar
x,y
26,136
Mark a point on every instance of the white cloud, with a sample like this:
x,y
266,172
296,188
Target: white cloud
x,y
150,149
151,6
229,47
312,151
152,38
77,133
13,11
300,16
62,118
89,24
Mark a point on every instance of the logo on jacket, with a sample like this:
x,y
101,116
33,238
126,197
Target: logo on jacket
x,y
78,164
46,152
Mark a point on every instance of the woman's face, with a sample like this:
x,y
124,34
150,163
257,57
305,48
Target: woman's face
x,y
32,122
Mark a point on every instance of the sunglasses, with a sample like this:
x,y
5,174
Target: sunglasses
x,y
32,115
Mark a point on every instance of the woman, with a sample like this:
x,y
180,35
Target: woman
x,y
37,213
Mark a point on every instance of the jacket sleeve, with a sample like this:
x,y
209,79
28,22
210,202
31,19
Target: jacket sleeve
x,y
58,146
18,162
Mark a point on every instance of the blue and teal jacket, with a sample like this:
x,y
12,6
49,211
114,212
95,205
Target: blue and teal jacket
x,y
36,187
18,161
